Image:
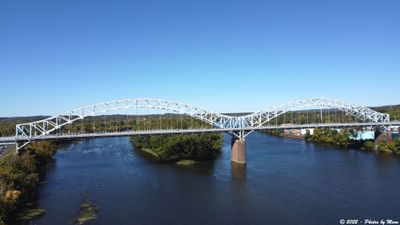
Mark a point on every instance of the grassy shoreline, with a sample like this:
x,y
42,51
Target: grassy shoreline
x,y
149,153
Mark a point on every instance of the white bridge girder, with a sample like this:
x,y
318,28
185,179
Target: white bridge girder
x,y
41,128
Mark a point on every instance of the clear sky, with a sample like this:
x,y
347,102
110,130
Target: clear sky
x,y
220,55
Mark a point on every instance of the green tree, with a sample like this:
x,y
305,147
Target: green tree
x,y
369,145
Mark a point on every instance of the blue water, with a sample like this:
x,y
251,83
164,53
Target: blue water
x,y
286,181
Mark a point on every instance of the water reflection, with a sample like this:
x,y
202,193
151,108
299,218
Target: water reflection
x,y
239,171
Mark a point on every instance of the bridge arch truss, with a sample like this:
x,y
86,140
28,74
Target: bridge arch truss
x,y
365,114
46,126
25,132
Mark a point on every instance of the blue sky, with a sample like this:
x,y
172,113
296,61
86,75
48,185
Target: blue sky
x,y
220,55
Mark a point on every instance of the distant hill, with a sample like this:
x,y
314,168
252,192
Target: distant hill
x,y
392,110
22,118
237,114
7,124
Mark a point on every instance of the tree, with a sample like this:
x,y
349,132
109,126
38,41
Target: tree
x,y
369,145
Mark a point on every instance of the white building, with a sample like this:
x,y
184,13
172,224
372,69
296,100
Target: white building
x,y
304,131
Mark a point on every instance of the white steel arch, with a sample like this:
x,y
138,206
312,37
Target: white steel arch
x,y
44,127
365,114
37,129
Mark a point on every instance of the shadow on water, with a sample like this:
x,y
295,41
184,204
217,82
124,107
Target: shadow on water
x,y
199,167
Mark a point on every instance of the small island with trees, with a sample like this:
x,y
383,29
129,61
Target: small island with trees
x,y
174,148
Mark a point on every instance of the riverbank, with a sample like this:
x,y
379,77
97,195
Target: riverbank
x,y
292,136
279,133
20,175
342,140
383,144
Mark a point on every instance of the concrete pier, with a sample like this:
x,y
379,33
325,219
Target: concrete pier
x,y
238,152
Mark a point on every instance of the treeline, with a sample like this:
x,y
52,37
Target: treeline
x,y
314,116
273,132
392,110
329,136
110,123
20,175
170,148
329,116
342,138
383,146
7,125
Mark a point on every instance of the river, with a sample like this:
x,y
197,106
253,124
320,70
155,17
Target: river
x,y
286,181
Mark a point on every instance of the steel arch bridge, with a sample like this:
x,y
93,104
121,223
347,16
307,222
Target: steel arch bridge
x,y
45,127
238,126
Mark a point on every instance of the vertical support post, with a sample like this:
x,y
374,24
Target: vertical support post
x,y
321,115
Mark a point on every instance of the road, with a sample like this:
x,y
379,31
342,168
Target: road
x,y
4,149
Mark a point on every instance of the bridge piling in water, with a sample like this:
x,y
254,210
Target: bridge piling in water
x,y
238,150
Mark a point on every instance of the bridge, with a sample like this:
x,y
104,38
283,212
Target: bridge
x,y
238,127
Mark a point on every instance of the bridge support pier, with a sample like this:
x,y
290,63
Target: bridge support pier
x,y
17,146
238,151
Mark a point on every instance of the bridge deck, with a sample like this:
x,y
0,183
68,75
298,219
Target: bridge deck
x,y
10,140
